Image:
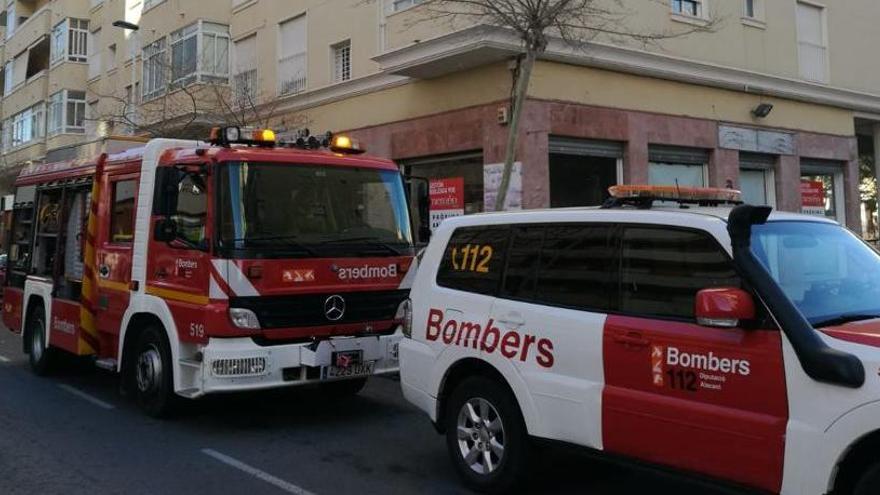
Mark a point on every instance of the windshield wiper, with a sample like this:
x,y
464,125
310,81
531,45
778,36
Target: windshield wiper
x,y
283,240
371,239
845,318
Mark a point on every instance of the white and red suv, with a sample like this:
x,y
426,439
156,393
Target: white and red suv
x,y
721,341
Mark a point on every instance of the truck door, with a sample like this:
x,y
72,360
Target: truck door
x,y
117,208
703,399
179,265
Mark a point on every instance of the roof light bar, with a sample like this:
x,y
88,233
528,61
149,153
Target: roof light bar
x,y
644,195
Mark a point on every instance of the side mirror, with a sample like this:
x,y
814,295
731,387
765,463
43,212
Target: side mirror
x,y
165,230
724,307
421,202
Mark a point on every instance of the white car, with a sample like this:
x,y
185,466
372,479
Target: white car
x,y
712,340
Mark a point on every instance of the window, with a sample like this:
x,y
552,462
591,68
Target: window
x,y
397,5
292,59
67,112
749,8
7,78
70,40
663,269
212,41
671,166
191,210
122,217
342,61
757,180
245,83
582,170
154,69
688,7
215,52
111,57
184,47
812,47
25,126
578,267
95,54
474,259
523,261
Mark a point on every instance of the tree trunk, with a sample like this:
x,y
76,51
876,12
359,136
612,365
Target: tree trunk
x,y
519,97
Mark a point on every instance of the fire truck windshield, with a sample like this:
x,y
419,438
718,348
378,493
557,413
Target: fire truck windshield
x,y
292,210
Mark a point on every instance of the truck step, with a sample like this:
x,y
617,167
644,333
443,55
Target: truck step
x,y
189,393
108,364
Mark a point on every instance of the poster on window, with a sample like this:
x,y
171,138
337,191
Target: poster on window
x,y
492,182
813,197
447,199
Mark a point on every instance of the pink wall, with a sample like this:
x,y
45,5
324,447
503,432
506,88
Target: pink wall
x,y
475,128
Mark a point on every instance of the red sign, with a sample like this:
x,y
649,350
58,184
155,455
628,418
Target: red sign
x,y
813,193
447,194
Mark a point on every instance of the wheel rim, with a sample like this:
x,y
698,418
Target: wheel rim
x,y
480,436
149,369
38,342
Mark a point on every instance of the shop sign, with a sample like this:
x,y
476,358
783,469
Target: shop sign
x,y
447,199
813,197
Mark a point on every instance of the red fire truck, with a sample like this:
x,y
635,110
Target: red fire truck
x,y
194,268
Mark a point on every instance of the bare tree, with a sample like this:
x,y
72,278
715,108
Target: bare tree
x,y
184,107
536,23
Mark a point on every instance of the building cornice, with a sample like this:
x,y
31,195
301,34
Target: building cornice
x,y
336,92
483,44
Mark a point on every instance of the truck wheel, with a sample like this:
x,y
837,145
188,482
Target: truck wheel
x,y
344,388
486,436
869,483
41,356
152,374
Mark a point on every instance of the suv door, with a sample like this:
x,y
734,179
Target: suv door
x,y
468,278
703,399
558,284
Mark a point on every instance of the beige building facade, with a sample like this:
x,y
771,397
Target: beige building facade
x,y
433,94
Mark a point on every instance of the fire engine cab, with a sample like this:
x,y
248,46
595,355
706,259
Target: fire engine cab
x,y
672,327
194,268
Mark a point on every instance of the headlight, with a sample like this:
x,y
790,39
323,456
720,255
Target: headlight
x,y
244,318
404,315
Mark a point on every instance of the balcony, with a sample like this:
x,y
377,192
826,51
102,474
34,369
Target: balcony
x,y
30,32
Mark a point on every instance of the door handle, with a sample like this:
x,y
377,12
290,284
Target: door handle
x,y
631,339
512,319
104,271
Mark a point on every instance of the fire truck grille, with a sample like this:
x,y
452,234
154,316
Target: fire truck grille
x,y
310,310
253,366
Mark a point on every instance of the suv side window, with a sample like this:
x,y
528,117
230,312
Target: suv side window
x,y
578,267
474,259
662,269
569,265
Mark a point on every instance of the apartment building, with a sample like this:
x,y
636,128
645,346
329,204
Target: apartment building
x,y
780,99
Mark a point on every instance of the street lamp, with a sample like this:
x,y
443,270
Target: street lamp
x,y
134,28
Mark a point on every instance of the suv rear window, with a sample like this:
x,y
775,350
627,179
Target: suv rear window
x,y
474,259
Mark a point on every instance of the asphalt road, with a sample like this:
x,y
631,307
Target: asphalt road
x,y
73,433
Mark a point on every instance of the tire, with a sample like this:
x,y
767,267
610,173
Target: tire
x,y
344,388
869,483
151,374
42,357
482,416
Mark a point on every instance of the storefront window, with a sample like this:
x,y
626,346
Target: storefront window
x,y
669,166
467,166
757,179
822,189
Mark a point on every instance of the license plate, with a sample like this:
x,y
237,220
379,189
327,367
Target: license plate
x,y
358,369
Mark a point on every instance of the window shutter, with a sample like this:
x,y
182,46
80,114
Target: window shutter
x,y
674,154
246,54
19,69
586,147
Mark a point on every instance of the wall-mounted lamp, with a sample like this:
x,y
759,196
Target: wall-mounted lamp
x,y
762,110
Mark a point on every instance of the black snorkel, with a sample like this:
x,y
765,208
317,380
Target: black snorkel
x,y
821,362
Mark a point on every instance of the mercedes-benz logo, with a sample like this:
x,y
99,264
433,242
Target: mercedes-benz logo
x,y
334,308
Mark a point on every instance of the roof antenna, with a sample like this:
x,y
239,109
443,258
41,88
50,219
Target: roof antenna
x,y
678,193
